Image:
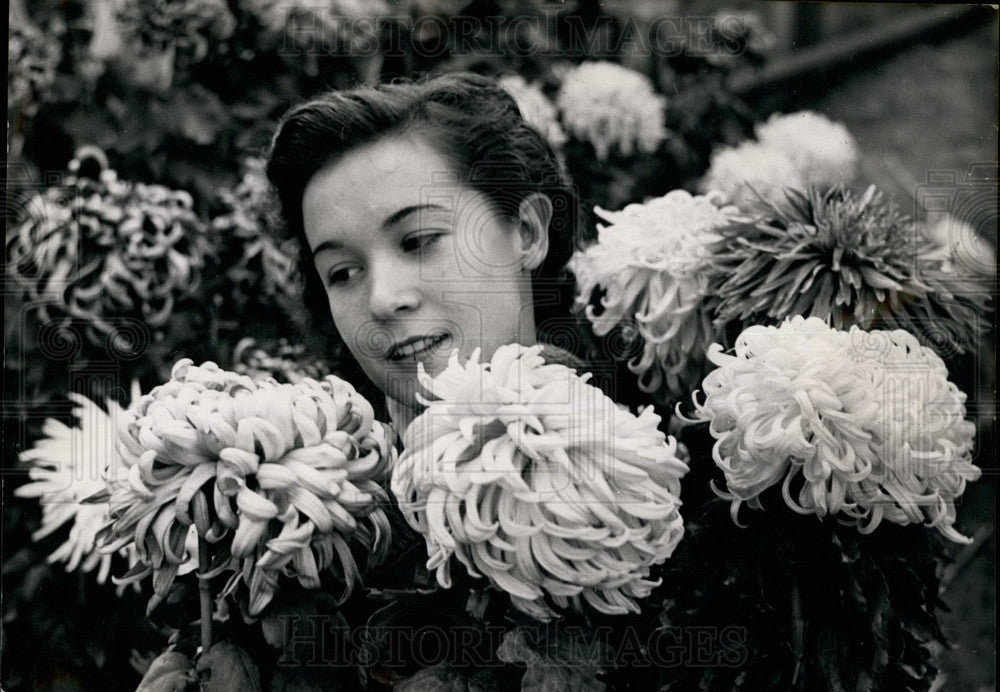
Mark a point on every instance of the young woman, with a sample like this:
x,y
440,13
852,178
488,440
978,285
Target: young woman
x,y
431,217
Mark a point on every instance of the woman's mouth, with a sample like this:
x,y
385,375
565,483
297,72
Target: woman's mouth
x,y
417,347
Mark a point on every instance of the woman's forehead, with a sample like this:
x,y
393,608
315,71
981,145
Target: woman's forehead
x,y
371,183
400,168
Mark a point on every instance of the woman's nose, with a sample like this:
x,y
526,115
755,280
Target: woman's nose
x,y
393,290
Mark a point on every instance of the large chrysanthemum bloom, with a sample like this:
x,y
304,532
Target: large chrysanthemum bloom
x,y
613,108
824,152
536,108
67,466
106,251
865,424
531,477
847,258
277,478
751,174
647,268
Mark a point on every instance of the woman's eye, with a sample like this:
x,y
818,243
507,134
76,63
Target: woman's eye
x,y
419,241
339,275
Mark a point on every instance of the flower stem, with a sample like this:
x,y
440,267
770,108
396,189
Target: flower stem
x,y
204,595
798,629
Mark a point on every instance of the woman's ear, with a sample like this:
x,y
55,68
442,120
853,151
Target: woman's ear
x,y
534,215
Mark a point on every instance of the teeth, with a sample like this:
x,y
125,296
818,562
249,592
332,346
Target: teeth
x,y
412,349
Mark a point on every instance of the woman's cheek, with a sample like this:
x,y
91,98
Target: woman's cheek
x,y
349,323
438,259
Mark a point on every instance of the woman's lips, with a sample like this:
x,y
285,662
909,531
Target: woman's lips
x,y
414,349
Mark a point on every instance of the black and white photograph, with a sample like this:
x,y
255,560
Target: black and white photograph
x,y
499,345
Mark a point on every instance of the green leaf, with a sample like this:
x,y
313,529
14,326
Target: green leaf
x,y
196,114
169,672
226,667
556,659
295,681
439,678
299,614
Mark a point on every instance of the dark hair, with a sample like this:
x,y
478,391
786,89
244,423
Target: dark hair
x,y
474,122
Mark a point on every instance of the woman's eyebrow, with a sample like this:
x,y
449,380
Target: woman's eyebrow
x,y
391,220
325,246
401,214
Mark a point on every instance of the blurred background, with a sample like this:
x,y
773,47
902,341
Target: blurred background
x,y
161,111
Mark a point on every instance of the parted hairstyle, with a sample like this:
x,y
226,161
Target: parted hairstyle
x,y
473,122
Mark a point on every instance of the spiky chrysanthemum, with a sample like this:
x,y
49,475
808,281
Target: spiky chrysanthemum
x,y
864,425
648,269
536,108
107,251
823,152
613,108
67,466
534,479
848,259
277,478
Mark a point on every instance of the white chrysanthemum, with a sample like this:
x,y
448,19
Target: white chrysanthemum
x,y
868,419
612,107
68,465
536,108
824,152
647,263
278,478
751,174
959,246
534,479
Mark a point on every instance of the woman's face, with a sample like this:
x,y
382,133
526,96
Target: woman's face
x,y
414,263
